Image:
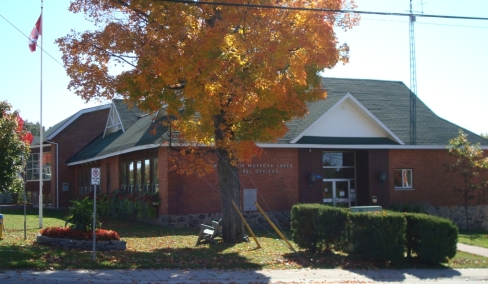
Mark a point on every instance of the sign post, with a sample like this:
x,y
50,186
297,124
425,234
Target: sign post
x,y
95,180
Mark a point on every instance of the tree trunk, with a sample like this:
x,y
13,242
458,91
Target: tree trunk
x,y
232,225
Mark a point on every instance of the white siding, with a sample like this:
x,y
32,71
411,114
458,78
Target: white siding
x,y
346,120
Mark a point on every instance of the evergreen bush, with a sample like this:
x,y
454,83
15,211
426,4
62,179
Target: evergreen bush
x,y
378,235
432,239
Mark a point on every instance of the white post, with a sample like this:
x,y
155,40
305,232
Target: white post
x,y
40,130
94,220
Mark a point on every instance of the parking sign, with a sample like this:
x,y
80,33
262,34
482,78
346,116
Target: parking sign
x,y
95,176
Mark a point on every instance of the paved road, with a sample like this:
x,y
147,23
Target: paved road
x,y
247,276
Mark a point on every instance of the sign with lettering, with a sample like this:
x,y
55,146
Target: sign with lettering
x,y
263,168
95,176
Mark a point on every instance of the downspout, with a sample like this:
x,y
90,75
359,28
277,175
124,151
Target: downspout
x,y
57,172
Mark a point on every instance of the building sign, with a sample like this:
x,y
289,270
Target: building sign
x,y
95,176
263,168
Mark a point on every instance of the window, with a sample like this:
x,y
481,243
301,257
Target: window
x,y
154,175
140,175
131,177
338,165
32,166
403,178
123,176
84,179
147,175
109,179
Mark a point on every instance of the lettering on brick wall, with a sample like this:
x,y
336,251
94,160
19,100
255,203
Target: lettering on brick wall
x,y
263,168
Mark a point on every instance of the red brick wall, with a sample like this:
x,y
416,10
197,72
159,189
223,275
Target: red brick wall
x,y
274,175
432,184
277,183
72,139
163,180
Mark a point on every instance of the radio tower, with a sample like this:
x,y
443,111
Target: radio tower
x,y
413,82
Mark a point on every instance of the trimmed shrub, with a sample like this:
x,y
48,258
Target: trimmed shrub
x,y
305,234
331,223
317,227
408,207
433,239
378,235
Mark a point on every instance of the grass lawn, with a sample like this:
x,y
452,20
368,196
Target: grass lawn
x,y
150,246
474,238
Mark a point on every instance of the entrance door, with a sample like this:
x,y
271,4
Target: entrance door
x,y
338,193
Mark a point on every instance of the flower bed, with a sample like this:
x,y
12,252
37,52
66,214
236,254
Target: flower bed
x,y
68,233
68,238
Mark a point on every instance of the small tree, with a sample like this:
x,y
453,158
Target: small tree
x,y
469,164
14,144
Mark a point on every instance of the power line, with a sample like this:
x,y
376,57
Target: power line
x,y
42,50
323,10
421,23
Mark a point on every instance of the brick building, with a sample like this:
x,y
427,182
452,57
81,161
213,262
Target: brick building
x,y
356,147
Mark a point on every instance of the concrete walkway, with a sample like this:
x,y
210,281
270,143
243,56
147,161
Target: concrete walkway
x,y
247,276
472,249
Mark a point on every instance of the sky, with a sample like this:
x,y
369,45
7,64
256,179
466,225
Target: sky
x,y
451,57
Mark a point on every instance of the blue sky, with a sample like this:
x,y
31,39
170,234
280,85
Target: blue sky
x,y
452,57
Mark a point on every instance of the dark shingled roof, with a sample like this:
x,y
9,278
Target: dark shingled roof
x,y
389,101
128,115
143,132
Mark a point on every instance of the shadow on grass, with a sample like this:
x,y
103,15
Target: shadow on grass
x,y
45,257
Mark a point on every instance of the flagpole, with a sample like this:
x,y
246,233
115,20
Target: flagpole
x,y
41,140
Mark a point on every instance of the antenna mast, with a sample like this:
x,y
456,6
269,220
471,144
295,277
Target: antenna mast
x,y
413,82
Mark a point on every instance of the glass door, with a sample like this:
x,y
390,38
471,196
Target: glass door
x,y
339,178
339,193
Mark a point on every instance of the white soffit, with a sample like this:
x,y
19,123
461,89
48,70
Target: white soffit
x,y
348,118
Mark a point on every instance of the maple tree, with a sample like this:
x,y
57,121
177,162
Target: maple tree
x,y
230,74
14,144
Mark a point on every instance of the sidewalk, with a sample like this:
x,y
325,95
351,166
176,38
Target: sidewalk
x,y
253,276
247,276
472,249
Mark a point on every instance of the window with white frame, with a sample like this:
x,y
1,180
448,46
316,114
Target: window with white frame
x,y
32,166
403,179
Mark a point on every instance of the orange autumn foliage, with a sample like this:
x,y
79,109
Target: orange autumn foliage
x,y
242,72
229,75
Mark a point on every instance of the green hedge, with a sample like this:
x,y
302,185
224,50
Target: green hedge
x,y
317,227
378,235
122,204
433,239
382,236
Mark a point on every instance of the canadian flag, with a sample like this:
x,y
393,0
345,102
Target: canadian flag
x,y
34,35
